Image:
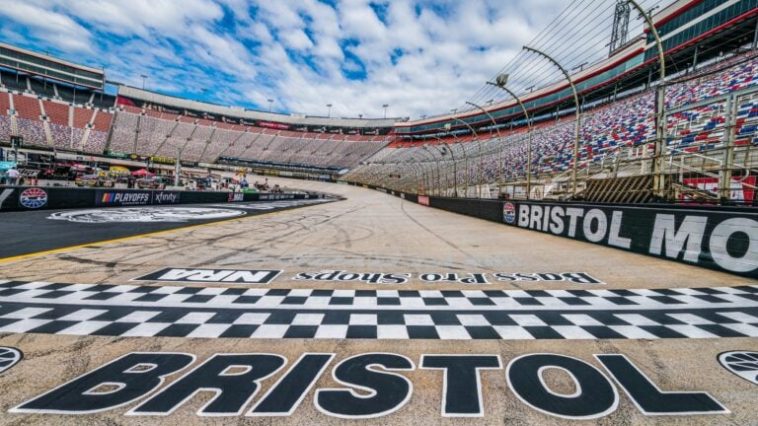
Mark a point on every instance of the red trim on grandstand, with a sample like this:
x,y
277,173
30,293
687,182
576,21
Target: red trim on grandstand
x,y
676,13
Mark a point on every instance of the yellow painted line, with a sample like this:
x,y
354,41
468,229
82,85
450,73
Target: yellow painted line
x,y
131,237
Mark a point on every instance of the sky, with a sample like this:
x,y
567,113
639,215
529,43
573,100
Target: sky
x,y
421,57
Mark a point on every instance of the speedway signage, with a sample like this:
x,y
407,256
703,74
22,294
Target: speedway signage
x,y
122,198
367,385
212,276
723,240
267,276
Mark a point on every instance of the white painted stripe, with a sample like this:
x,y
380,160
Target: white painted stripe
x,y
82,315
581,319
452,332
363,319
138,316
739,317
636,319
32,285
251,319
35,293
690,319
23,326
394,332
746,329
331,332
167,290
84,328
527,320
196,318
308,319
512,332
632,332
146,330
691,331
123,288
26,313
271,331
411,319
77,287
209,330
473,320
573,332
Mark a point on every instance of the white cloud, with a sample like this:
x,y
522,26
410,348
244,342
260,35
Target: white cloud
x,y
294,51
49,26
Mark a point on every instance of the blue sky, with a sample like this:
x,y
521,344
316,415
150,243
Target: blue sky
x,y
420,57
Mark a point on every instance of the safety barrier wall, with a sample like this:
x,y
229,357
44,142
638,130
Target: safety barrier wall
x,y
14,198
720,238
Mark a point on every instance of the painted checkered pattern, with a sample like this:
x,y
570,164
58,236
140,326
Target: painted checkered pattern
x,y
145,311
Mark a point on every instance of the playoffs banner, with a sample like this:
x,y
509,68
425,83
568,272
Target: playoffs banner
x,y
725,241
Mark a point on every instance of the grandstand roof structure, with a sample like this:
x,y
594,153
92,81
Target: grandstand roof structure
x,y
154,98
47,66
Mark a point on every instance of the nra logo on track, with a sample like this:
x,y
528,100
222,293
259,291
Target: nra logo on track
x,y
264,276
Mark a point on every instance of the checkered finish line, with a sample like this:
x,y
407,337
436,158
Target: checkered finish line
x,y
146,311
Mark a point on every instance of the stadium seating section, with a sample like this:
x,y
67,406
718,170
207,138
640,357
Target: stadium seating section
x,y
45,116
629,122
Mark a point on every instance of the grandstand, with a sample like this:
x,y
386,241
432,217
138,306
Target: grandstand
x,y
610,131
479,152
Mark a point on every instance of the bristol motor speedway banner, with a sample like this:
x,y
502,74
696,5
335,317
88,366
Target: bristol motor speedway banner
x,y
723,240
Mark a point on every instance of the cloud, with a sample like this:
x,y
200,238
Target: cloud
x,y
47,26
421,57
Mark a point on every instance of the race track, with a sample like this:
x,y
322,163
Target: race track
x,y
365,294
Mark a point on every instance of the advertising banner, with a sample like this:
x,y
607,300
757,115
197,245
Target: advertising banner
x,y
122,198
723,240
741,189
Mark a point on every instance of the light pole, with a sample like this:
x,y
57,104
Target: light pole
x,y
421,175
497,130
455,163
329,110
144,79
385,106
578,114
270,104
659,184
476,138
501,81
437,164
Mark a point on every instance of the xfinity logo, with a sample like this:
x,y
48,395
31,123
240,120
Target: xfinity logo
x,y
212,276
166,198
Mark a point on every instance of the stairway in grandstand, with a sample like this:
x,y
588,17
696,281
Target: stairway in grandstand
x,y
623,190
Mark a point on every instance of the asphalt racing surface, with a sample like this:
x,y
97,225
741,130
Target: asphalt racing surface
x,y
35,231
371,310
